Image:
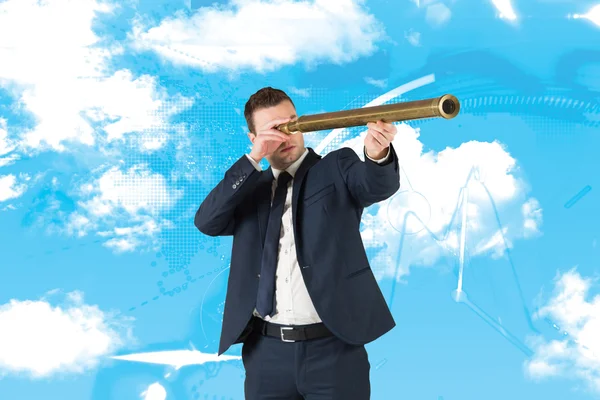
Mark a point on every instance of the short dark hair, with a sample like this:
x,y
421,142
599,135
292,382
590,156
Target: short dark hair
x,y
264,98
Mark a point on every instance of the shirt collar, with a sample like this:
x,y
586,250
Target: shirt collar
x,y
292,168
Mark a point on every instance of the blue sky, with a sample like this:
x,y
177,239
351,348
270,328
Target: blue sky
x,y
117,118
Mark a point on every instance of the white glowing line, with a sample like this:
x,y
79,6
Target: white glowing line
x,y
593,15
463,234
176,358
505,8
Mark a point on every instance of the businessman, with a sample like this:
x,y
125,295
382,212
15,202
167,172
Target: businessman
x,y
301,295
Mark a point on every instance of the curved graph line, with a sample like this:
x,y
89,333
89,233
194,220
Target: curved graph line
x,y
510,261
459,295
462,297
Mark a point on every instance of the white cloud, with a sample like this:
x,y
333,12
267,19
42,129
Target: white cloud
x,y
438,14
432,185
380,83
576,354
305,92
58,69
6,145
234,37
41,339
532,214
127,205
413,37
154,392
10,188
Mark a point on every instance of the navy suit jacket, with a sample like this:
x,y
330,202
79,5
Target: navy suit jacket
x,y
329,195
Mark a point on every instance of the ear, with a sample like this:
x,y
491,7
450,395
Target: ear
x,y
252,137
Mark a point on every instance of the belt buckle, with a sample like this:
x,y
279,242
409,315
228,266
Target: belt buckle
x,y
286,328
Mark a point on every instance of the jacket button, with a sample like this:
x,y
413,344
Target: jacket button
x,y
258,275
233,186
306,266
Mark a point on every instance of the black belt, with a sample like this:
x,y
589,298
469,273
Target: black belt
x,y
291,333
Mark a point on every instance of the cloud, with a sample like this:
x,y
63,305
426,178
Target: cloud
x,y
380,83
127,205
263,35
438,14
413,37
40,339
11,188
428,207
6,145
576,316
58,69
304,92
154,392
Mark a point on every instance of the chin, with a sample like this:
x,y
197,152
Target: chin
x,y
293,155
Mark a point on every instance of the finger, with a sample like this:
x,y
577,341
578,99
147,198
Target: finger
x,y
278,133
273,123
387,127
388,137
272,131
379,138
269,136
387,130
372,125
376,126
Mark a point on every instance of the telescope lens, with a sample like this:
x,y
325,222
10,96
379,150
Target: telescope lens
x,y
448,106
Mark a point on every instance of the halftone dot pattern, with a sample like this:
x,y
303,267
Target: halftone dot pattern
x,y
211,136
193,160
204,143
553,115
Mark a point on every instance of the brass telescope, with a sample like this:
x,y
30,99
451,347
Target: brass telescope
x,y
446,106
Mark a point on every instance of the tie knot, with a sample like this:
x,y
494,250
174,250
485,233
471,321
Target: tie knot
x,y
284,178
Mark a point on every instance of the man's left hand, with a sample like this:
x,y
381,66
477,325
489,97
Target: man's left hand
x,y
378,139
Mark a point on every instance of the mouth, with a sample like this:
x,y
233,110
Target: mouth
x,y
287,149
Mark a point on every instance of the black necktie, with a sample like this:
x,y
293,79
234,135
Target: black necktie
x,y
266,284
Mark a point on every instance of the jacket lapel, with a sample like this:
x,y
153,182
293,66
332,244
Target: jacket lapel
x,y
263,200
264,192
310,160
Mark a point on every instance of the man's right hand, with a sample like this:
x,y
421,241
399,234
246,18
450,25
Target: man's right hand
x,y
268,139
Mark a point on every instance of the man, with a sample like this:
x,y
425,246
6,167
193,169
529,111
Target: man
x,y
301,295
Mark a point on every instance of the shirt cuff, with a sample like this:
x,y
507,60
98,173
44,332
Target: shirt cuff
x,y
258,168
380,161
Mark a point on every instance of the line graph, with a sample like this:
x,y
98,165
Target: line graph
x,y
460,217
413,222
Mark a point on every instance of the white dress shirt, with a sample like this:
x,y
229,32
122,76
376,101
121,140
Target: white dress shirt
x,y
293,305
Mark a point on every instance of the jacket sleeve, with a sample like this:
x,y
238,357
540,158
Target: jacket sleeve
x,y
368,181
215,217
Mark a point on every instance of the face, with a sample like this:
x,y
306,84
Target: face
x,y
288,152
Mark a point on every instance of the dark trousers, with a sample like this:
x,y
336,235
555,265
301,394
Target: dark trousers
x,y
318,369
